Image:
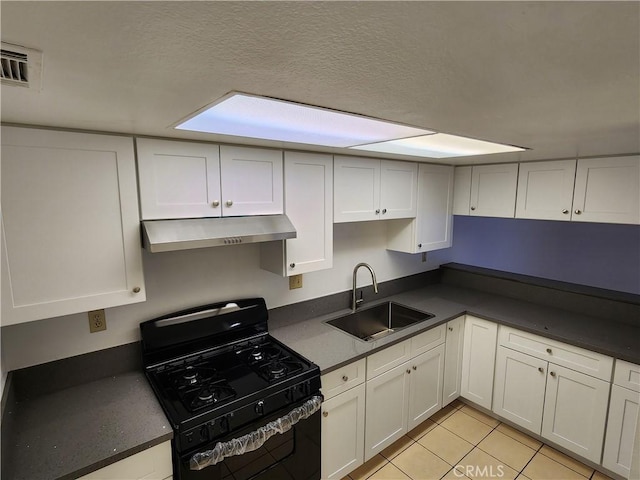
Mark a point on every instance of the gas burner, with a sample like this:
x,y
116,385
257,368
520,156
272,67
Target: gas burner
x,y
190,375
260,353
277,370
205,395
256,354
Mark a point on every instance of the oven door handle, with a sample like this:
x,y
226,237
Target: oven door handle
x,y
254,440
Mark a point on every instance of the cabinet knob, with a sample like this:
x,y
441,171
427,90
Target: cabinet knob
x,y
553,374
419,245
325,414
451,329
408,371
414,367
292,265
549,351
377,211
136,289
473,208
578,211
345,378
565,211
229,203
541,370
215,203
384,210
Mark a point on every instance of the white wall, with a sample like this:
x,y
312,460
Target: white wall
x,y
176,280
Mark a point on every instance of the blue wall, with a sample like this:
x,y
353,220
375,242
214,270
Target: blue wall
x,y
595,254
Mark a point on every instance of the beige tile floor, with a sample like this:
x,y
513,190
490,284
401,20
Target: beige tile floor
x,y
477,445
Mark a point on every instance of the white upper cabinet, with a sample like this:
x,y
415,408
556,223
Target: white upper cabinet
x,y
462,190
493,190
369,189
251,181
432,227
178,179
71,231
607,190
193,180
308,188
545,190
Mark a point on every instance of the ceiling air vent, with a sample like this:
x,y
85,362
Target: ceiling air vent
x,y
20,66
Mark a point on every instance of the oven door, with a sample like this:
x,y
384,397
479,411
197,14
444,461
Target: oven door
x,y
291,455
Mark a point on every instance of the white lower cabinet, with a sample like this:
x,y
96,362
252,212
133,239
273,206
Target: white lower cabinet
x,y
425,386
478,359
453,360
624,408
151,464
343,433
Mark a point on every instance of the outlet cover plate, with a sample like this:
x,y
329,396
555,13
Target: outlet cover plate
x,y
295,281
97,321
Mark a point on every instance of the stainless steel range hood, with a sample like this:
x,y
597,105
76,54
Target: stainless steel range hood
x,y
185,234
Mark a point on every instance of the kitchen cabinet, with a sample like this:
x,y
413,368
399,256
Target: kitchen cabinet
x,y
404,388
432,227
493,190
545,190
536,389
624,407
151,464
71,231
369,189
342,424
308,186
190,180
607,190
453,360
461,190
478,360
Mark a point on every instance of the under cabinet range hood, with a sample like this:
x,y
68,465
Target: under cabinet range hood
x,y
189,233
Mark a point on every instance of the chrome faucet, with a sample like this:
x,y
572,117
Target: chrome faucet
x,y
354,302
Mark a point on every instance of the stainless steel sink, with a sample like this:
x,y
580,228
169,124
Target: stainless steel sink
x,y
376,322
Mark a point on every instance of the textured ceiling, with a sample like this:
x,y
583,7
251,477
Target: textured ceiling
x,y
560,78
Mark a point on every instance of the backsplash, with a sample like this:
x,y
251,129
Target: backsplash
x,y
595,254
181,279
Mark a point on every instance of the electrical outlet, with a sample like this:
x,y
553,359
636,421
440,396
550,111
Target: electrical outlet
x,y
97,321
295,281
424,257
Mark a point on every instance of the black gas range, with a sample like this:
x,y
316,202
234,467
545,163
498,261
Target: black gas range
x,y
242,404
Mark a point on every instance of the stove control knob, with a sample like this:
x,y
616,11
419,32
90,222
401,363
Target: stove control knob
x,y
204,432
259,408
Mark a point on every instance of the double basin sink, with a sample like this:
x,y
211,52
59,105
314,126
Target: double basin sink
x,y
376,322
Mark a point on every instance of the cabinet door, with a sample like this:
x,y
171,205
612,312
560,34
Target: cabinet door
x,y
386,415
545,190
607,190
461,190
151,464
575,411
619,443
453,360
71,230
356,194
251,180
343,433
518,393
435,197
178,179
478,359
425,386
398,186
493,190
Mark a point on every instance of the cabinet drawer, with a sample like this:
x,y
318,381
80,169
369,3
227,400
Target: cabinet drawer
x,y
627,375
388,358
576,358
343,378
151,464
427,340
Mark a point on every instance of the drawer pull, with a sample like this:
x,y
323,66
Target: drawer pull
x,y
325,414
451,329
345,378
549,351
553,374
414,367
408,371
541,370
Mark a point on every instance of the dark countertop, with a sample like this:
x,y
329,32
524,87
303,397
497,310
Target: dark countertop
x,y
71,432
330,348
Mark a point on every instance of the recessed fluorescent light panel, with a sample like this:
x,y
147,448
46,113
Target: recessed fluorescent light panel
x,y
245,115
439,145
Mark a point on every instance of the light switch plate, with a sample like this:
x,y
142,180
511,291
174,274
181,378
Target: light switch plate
x,y
295,281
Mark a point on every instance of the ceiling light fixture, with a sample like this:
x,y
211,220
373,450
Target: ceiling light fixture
x,y
252,116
